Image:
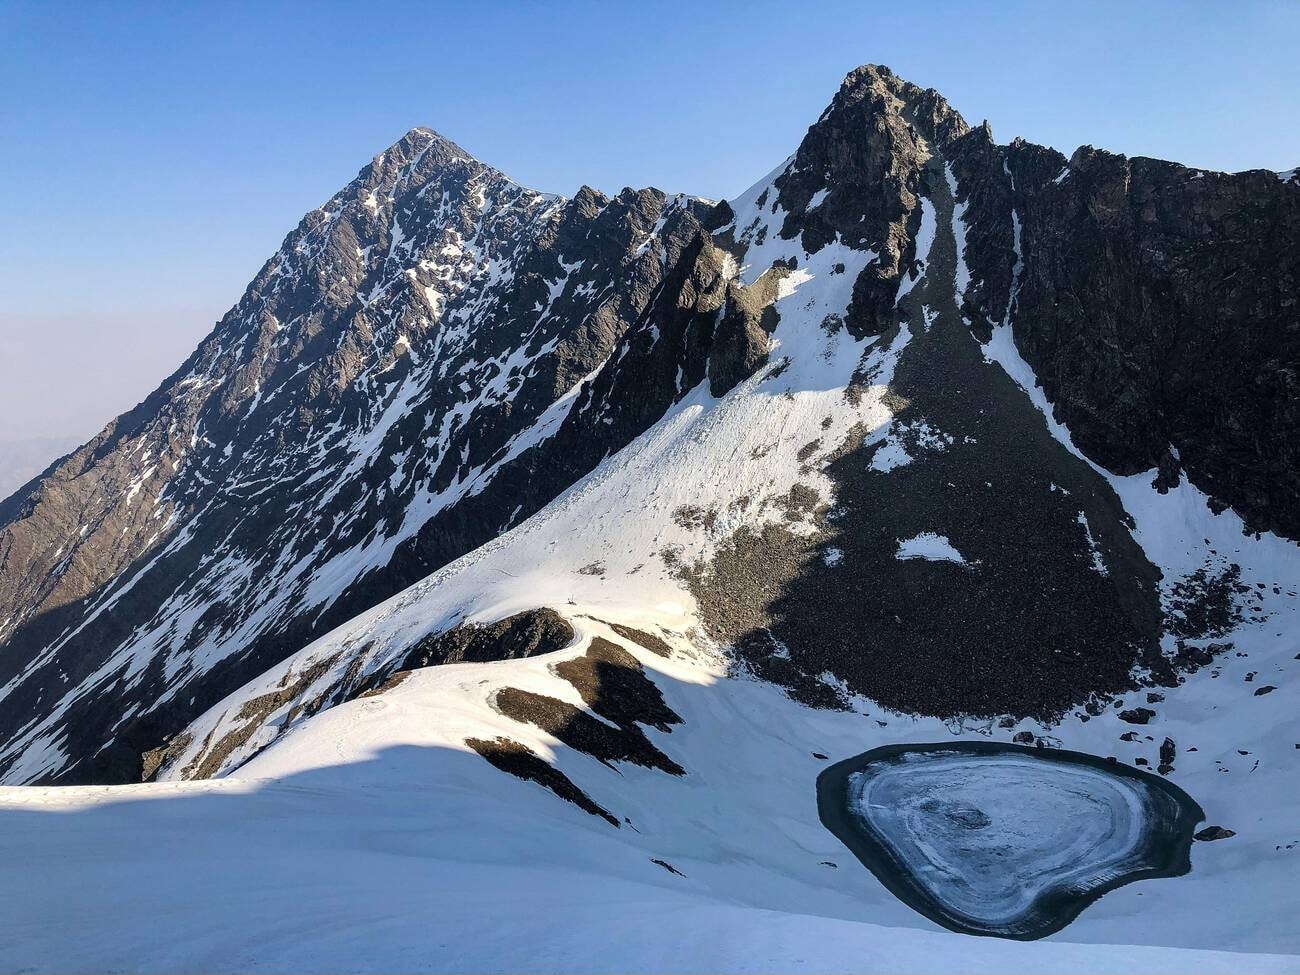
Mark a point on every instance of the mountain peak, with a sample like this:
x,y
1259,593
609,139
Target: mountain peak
x,y
418,156
882,92
422,140
424,136
869,73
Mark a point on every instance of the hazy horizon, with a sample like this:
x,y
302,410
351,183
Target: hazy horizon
x,y
149,180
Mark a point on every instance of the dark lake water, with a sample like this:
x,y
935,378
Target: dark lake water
x,y
998,839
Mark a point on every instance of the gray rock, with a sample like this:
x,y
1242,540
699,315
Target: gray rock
x,y
1214,833
1137,715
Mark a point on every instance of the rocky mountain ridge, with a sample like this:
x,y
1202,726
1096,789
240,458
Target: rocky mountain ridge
x,y
438,353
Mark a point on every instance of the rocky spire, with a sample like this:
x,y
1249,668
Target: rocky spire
x,y
858,175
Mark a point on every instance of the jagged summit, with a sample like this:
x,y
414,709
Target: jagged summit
x,y
422,139
410,166
878,77
419,156
875,90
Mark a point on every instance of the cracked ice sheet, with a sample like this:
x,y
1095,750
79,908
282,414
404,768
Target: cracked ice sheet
x,y
988,835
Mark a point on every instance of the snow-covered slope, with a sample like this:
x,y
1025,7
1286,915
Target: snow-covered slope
x,y
373,840
318,452
881,533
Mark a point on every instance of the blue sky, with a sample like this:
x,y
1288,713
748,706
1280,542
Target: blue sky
x,y
155,154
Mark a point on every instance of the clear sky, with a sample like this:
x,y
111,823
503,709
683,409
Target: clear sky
x,y
152,156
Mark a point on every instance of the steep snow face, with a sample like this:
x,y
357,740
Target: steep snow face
x,y
415,335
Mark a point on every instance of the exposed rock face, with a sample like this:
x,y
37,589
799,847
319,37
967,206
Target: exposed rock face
x,y
343,431
1157,304
857,177
525,634
1041,598
522,762
437,353
1045,602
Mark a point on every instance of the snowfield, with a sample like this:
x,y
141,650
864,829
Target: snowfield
x,y
372,840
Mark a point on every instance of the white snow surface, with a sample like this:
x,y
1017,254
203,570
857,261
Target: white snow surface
x,y
959,235
368,837
890,456
371,840
924,238
928,545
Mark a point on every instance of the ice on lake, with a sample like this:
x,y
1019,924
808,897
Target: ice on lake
x,y
996,839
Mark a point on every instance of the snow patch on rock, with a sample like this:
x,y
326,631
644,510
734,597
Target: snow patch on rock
x,y
928,545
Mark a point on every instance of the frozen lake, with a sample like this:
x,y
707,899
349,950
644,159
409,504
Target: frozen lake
x,y
998,839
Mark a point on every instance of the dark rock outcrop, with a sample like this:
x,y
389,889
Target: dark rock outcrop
x,y
614,685
526,634
647,641
1137,715
581,732
1168,752
517,759
1159,306
1215,833
1026,623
